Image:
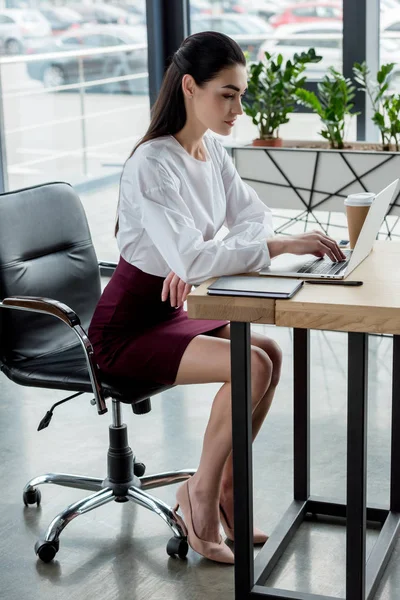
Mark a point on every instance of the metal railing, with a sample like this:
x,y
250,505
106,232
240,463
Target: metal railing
x,y
81,86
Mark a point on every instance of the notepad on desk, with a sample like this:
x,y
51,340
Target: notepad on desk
x,y
259,287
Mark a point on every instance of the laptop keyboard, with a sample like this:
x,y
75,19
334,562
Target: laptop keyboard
x,y
325,266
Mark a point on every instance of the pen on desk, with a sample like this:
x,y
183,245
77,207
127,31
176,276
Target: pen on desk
x,y
333,282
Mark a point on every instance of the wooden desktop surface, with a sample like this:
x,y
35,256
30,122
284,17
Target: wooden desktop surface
x,y
370,308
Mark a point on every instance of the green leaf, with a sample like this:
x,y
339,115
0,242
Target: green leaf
x,y
378,119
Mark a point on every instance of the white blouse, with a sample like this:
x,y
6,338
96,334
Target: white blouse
x,y
172,205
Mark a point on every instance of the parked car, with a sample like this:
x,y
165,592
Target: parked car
x,y
11,40
266,10
56,71
248,30
326,38
390,22
61,18
103,14
136,12
19,25
200,7
262,8
307,12
386,5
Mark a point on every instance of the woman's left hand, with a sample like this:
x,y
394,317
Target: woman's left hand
x,y
177,289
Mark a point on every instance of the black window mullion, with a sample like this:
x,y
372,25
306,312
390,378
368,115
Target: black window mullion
x,y
167,27
355,50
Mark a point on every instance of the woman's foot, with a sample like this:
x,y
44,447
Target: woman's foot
x,y
209,548
226,515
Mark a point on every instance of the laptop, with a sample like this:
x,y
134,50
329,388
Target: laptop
x,y
308,266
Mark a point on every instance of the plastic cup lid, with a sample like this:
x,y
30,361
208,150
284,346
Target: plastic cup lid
x,y
361,199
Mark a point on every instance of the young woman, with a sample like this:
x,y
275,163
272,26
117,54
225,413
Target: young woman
x,y
177,189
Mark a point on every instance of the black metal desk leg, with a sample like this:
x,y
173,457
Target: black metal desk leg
x,y
242,459
301,413
395,452
356,465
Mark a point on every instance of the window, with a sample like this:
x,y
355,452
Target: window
x,y
4,20
305,43
394,27
291,29
31,17
110,40
389,51
306,11
72,41
92,41
255,24
227,26
65,136
197,25
319,31
298,43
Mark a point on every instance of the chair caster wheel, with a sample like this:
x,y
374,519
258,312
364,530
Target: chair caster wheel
x,y
46,551
177,546
32,497
139,469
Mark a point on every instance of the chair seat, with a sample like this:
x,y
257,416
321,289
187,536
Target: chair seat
x,y
66,370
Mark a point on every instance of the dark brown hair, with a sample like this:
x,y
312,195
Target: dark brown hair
x,y
201,55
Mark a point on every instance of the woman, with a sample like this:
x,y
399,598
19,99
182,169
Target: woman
x,y
177,189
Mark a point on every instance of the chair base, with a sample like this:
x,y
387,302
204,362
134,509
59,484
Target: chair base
x,y
120,485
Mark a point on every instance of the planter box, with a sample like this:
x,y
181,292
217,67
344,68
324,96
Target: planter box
x,y
316,178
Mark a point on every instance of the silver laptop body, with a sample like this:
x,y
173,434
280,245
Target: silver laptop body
x,y
309,267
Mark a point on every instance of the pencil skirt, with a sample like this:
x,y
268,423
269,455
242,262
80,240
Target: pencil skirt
x,y
135,334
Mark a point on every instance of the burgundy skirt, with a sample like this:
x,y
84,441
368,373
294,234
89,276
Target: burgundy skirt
x,y
134,334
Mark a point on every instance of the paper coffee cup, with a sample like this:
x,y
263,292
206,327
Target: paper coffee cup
x,y
357,207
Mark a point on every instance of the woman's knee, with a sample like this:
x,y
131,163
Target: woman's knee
x,y
261,372
273,351
275,354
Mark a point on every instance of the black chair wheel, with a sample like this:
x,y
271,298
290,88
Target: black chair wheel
x,y
46,551
139,469
177,547
32,497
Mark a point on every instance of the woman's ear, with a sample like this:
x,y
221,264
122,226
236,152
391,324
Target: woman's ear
x,y
188,86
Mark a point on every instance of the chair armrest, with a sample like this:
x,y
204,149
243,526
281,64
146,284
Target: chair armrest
x,y
63,312
44,305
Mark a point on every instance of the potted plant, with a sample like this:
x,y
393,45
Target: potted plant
x,y
271,94
314,177
386,106
333,104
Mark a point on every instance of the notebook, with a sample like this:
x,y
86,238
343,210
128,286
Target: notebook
x,y
260,287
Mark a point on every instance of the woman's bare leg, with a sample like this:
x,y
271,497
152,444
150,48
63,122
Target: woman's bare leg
x,y
206,360
259,413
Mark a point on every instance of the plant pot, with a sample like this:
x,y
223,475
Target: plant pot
x,y
274,142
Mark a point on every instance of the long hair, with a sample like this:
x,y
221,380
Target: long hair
x,y
201,55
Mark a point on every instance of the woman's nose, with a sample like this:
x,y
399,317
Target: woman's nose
x,y
239,108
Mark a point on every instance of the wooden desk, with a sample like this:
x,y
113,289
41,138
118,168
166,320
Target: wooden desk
x,y
371,308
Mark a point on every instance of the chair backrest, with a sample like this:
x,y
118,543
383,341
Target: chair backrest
x,y
45,250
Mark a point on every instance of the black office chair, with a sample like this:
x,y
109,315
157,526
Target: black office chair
x,y
49,275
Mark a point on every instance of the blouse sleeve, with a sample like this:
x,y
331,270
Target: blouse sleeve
x,y
247,216
172,229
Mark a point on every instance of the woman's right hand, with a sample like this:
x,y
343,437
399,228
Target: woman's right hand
x,y
313,242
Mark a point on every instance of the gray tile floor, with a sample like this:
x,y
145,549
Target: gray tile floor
x,y
118,551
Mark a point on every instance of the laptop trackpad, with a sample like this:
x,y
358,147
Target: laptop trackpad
x,y
287,263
